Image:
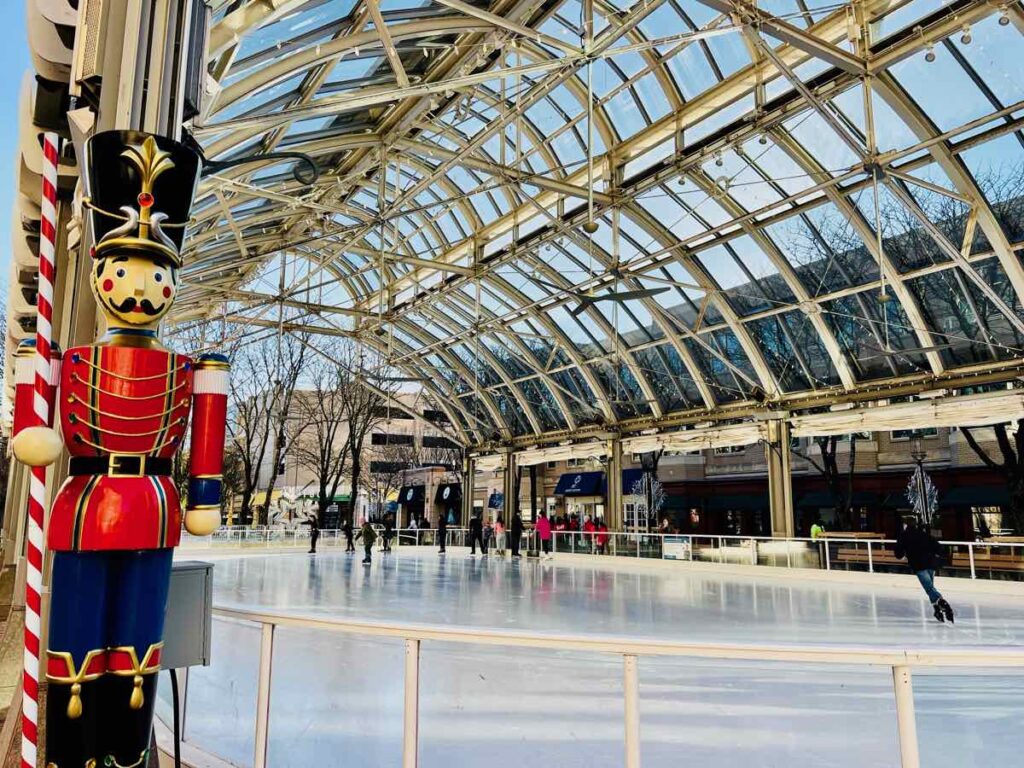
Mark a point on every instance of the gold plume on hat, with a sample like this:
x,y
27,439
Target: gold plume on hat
x,y
151,162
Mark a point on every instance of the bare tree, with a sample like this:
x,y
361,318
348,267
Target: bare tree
x,y
827,464
322,412
389,465
264,375
365,409
1011,451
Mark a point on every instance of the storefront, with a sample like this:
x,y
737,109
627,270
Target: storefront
x,y
411,504
447,503
582,493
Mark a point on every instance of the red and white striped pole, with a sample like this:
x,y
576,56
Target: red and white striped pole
x,y
37,488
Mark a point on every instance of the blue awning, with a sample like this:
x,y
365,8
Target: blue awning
x,y
630,477
496,501
580,484
411,494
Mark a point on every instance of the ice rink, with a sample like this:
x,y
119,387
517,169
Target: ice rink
x,y
337,700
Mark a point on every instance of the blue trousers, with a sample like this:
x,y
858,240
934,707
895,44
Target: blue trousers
x,y
927,579
105,608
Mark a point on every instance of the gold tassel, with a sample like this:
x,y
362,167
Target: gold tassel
x,y
137,699
75,702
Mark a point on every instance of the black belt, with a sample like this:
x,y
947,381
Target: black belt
x,y
120,465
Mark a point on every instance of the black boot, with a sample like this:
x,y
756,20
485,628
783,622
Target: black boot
x,y
938,610
947,609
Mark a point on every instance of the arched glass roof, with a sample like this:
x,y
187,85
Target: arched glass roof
x,y
794,199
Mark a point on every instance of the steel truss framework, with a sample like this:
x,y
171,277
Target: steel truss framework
x,y
833,195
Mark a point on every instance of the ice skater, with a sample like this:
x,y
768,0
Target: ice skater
x,y
543,527
516,531
314,535
442,533
476,535
389,532
499,537
347,530
916,544
369,536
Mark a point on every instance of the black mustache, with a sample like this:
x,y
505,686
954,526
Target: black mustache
x,y
129,304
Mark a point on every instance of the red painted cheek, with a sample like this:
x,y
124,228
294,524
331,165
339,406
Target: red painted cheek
x,y
167,292
108,285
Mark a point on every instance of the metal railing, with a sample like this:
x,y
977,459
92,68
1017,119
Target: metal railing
x,y
900,661
973,559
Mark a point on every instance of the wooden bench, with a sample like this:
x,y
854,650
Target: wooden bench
x,y
983,559
879,556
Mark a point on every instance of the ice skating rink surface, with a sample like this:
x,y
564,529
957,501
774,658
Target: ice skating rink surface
x,y
337,699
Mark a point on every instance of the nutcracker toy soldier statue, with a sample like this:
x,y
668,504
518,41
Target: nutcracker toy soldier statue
x,y
123,406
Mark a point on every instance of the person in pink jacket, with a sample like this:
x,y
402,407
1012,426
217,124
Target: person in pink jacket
x,y
543,527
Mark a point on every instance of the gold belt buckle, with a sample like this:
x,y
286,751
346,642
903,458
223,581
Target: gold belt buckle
x,y
116,462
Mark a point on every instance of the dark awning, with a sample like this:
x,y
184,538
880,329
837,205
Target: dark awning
x,y
816,499
449,494
680,503
630,477
410,494
975,496
580,484
737,501
496,501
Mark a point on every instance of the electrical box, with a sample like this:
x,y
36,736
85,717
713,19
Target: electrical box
x,y
189,622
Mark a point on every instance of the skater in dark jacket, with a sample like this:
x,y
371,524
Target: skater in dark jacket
x,y
347,530
516,533
389,532
476,535
921,551
314,535
442,533
368,535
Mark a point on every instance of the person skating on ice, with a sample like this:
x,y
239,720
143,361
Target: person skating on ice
x,y
389,531
544,534
314,535
922,551
369,536
347,530
476,534
516,532
442,533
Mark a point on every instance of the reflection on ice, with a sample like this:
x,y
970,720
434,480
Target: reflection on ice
x,y
337,699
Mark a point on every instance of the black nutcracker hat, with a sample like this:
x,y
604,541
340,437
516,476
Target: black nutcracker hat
x,y
139,190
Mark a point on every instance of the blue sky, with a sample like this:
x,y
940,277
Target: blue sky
x,y
14,62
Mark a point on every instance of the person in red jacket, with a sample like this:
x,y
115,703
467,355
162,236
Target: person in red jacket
x,y
602,536
543,527
588,532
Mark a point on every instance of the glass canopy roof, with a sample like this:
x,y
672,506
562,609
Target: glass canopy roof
x,y
791,199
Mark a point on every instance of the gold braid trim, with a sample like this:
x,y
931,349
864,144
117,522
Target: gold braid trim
x,y
110,762
145,667
97,388
101,369
106,448
75,679
73,398
79,420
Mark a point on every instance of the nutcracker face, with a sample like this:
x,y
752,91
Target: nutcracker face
x,y
135,291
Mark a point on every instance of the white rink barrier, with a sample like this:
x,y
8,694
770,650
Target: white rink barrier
x,y
900,661
967,559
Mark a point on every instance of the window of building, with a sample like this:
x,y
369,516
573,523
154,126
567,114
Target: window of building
x,y
906,434
434,441
383,438
727,449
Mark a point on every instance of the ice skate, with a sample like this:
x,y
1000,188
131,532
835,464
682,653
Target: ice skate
x,y
937,605
946,609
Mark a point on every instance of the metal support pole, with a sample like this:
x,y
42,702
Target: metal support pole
x,y
411,732
263,697
828,556
631,692
970,556
905,722
871,562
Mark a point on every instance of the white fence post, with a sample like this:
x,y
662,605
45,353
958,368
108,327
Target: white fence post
x,y
970,556
262,739
906,724
631,692
871,562
828,556
411,732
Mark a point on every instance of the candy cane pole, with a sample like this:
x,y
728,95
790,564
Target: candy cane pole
x,y
37,488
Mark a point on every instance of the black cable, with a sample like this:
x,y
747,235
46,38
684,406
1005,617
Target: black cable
x,y
177,722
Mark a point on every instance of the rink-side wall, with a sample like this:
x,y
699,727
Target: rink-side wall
x,y
952,584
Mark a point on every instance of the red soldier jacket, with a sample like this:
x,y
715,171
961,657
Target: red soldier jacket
x,y
123,413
